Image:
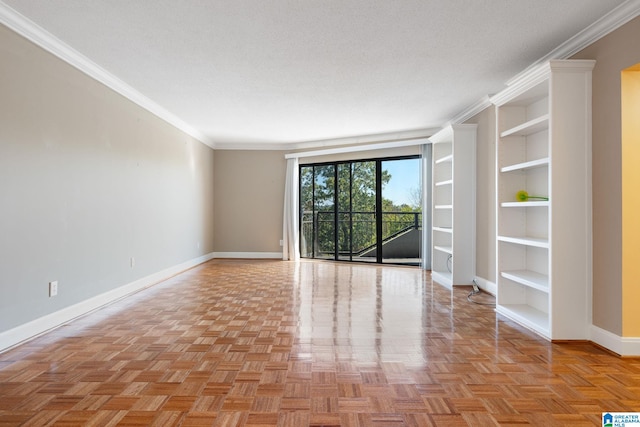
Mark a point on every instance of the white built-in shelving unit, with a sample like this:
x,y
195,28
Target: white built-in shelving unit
x,y
543,246
453,205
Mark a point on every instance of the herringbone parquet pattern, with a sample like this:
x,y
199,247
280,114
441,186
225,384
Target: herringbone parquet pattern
x,y
272,343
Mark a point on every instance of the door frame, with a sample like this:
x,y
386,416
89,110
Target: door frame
x,y
378,206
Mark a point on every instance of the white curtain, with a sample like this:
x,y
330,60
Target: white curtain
x,y
425,151
290,228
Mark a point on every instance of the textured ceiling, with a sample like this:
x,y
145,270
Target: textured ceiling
x,y
288,71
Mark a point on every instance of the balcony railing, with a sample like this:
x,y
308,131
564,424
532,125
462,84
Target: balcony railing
x,y
356,231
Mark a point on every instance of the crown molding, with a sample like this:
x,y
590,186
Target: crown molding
x,y
603,26
47,41
476,108
252,146
358,148
352,141
32,32
365,139
445,134
535,75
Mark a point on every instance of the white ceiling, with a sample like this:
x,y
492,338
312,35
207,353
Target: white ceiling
x,y
268,72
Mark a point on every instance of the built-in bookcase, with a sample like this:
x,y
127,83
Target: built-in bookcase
x,y
543,245
453,213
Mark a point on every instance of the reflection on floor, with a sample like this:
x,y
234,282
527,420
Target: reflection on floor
x,y
272,343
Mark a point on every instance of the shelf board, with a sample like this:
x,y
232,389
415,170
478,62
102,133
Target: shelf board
x,y
445,249
528,128
527,316
443,229
531,204
447,182
526,241
443,207
444,159
538,163
528,278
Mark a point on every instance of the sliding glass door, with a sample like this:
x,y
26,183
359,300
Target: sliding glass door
x,y
401,211
365,210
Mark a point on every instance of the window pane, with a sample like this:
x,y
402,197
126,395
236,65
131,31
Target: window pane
x,y
324,202
401,206
306,211
363,188
338,210
344,211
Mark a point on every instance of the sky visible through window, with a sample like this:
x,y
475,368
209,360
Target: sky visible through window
x,y
405,180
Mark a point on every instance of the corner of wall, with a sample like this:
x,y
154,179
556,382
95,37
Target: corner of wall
x,y
623,346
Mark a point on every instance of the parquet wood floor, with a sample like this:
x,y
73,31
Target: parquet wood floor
x,y
272,343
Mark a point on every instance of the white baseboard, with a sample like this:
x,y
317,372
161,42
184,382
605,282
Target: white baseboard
x,y
441,279
249,255
43,324
624,346
487,286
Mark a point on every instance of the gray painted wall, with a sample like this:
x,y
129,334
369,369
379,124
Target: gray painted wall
x,y
88,180
249,188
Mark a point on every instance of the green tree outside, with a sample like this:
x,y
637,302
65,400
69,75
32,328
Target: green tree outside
x,y
356,207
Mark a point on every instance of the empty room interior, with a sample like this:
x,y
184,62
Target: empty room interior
x,y
319,213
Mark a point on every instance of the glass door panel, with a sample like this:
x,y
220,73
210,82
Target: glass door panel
x,y
345,232
324,209
363,211
306,212
401,211
339,205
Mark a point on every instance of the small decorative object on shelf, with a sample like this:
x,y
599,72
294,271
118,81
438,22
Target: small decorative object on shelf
x,y
523,196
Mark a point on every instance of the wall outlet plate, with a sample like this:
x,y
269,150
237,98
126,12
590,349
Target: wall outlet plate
x,y
53,288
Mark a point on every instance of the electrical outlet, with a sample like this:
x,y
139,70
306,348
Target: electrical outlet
x,y
281,242
53,288
132,261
